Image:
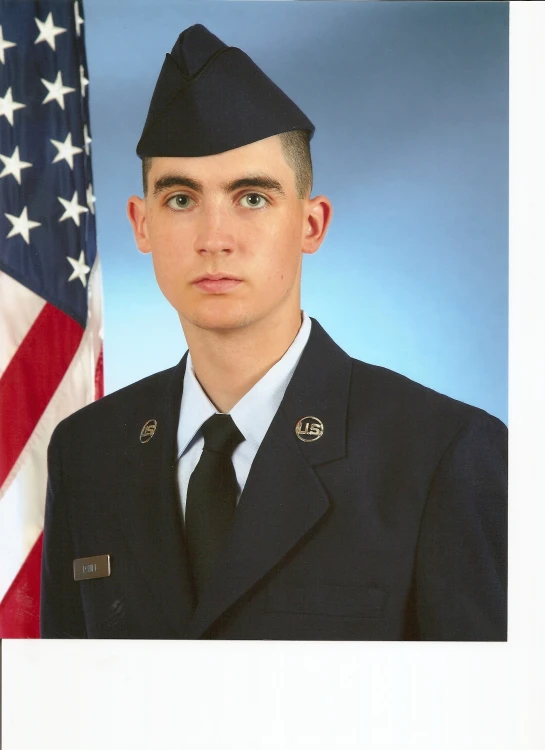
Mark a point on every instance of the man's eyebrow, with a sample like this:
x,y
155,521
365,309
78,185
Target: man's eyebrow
x,y
260,181
175,180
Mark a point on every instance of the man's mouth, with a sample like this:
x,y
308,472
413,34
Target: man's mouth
x,y
216,283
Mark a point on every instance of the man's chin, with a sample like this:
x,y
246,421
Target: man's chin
x,y
217,321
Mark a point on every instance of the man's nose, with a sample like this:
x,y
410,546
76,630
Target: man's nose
x,y
215,231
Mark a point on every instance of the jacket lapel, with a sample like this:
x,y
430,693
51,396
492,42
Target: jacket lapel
x,y
149,506
283,498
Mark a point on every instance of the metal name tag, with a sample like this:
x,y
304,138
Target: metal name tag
x,y
91,567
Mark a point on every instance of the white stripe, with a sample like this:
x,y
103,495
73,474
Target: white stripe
x,y
19,309
22,496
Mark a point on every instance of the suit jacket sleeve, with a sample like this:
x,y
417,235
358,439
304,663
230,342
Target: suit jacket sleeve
x,y
461,563
61,614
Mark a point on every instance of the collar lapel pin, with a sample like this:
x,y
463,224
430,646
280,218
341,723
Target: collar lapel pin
x,y
148,431
309,429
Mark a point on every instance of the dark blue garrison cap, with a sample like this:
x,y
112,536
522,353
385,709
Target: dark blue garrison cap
x,y
210,98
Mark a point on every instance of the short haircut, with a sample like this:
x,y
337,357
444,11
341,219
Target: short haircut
x,y
296,149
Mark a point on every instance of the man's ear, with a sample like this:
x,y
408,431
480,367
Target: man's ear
x,y
136,211
317,219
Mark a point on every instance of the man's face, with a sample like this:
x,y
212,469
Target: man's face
x,y
227,233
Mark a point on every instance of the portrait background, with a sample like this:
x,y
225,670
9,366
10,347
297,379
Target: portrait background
x,y
410,104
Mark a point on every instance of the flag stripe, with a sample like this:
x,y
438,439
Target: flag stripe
x,y
20,608
20,308
99,375
32,377
21,514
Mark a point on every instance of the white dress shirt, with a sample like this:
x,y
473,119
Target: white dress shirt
x,y
252,414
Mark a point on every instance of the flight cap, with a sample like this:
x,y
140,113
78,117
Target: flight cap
x,y
210,98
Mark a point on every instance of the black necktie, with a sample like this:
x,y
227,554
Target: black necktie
x,y
211,495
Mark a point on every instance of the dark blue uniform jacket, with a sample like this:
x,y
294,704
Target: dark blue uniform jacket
x,y
390,526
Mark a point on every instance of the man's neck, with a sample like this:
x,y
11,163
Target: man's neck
x,y
228,364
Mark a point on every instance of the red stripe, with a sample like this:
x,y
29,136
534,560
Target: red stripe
x,y
99,376
20,608
31,379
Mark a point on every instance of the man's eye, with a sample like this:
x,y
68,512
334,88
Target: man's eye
x,y
253,200
179,201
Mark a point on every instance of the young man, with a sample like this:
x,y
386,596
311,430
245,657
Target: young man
x,y
268,486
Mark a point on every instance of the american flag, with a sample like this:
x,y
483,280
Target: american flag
x,y
50,286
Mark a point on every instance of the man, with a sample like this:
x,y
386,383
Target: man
x,y
268,486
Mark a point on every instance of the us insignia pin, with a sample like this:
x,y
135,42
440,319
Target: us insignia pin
x,y
309,429
148,430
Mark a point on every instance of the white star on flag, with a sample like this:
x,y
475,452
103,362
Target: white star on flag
x,y
78,18
48,31
13,165
87,141
80,268
22,225
71,208
4,44
56,90
91,200
83,82
8,106
66,150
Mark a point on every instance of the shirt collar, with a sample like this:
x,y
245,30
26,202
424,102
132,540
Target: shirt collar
x,y
255,410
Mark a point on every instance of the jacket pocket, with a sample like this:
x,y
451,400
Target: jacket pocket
x,y
336,601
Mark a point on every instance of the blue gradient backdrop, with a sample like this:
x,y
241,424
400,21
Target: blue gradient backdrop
x,y
410,103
